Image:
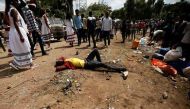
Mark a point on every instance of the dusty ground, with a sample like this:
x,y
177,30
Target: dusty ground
x,y
43,88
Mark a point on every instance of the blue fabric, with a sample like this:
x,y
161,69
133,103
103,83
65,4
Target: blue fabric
x,y
163,51
179,65
77,22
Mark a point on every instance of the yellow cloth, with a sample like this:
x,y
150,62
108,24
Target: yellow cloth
x,y
79,63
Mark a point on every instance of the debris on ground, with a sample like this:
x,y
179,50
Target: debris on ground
x,y
165,95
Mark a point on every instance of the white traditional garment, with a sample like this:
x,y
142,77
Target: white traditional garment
x,y
20,50
70,31
45,30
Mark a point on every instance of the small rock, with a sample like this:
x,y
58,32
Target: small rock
x,y
8,87
114,61
175,87
173,79
165,95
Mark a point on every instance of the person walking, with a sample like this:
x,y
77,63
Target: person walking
x,y
125,28
69,28
106,27
91,26
98,29
78,26
18,39
33,28
84,28
45,28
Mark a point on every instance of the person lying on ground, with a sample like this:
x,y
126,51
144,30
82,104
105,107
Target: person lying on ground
x,y
88,63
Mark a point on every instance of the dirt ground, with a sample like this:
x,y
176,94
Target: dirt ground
x,y
42,88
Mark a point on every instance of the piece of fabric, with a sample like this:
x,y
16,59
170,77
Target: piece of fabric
x,y
167,69
107,24
20,50
77,22
78,63
173,55
44,29
69,30
31,21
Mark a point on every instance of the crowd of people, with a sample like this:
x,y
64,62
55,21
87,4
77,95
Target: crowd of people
x,y
25,30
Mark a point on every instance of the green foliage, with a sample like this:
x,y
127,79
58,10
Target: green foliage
x,y
97,9
120,13
58,8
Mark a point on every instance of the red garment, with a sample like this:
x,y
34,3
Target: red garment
x,y
65,65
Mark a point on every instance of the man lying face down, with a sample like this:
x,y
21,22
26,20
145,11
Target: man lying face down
x,y
88,63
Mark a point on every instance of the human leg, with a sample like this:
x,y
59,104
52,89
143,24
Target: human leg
x,y
105,38
108,37
31,44
93,54
93,38
40,42
123,36
92,65
89,37
1,45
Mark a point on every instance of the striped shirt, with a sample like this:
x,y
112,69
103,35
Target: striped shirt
x,y
31,21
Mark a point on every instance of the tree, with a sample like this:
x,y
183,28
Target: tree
x,y
97,9
58,8
118,13
158,7
129,6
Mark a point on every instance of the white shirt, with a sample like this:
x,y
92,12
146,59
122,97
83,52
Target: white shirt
x,y
107,24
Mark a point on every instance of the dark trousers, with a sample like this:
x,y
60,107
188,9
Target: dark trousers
x,y
84,35
91,33
31,44
186,51
1,45
106,37
79,35
92,64
36,36
98,32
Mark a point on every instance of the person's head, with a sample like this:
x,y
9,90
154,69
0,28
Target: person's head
x,y
15,3
82,15
107,14
102,15
90,14
43,11
32,6
68,16
77,12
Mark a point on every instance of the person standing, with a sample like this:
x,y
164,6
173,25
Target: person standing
x,y
78,26
84,28
106,27
33,27
98,29
125,28
91,26
45,28
1,43
69,28
18,39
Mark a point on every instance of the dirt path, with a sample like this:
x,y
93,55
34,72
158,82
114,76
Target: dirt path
x,y
42,87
